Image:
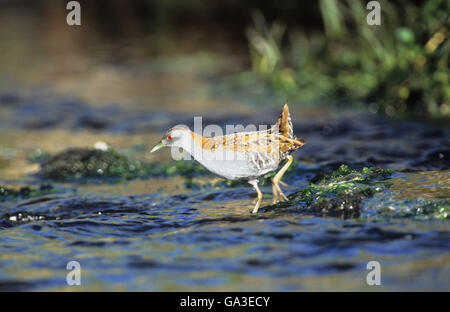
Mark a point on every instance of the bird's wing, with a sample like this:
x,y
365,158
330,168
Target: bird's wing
x,y
260,141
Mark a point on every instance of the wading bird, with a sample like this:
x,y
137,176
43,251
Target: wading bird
x,y
243,155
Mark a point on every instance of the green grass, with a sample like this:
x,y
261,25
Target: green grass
x,y
399,68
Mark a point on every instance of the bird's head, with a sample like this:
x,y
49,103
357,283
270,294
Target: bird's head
x,y
176,136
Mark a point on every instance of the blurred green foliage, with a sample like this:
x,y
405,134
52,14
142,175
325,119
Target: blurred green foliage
x,y
400,67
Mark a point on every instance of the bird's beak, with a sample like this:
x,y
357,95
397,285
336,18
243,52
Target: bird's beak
x,y
158,146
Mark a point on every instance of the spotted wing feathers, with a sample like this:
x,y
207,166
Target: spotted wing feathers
x,y
278,138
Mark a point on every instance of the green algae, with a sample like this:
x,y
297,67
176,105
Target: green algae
x,y
7,193
341,192
84,163
365,175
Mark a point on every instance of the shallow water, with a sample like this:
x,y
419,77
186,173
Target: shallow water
x,y
156,234
157,242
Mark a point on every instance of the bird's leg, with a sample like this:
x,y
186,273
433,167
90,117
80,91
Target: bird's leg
x,y
276,196
254,183
277,193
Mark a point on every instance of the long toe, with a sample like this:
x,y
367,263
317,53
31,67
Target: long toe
x,y
281,194
283,197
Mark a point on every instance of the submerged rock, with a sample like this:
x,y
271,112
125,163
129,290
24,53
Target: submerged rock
x,y
388,206
7,193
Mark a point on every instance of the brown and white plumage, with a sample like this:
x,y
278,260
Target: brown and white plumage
x,y
243,155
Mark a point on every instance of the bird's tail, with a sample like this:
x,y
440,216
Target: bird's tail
x,y
284,123
284,127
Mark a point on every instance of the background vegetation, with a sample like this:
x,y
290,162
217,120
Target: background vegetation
x,y
398,68
310,52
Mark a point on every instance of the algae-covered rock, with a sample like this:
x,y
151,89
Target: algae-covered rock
x,y
341,192
79,163
7,193
345,174
91,163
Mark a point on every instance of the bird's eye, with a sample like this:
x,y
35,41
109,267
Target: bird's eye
x,y
169,137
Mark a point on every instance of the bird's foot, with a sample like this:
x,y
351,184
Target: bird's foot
x,y
255,209
278,194
283,197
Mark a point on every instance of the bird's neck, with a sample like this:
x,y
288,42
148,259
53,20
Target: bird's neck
x,y
193,144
